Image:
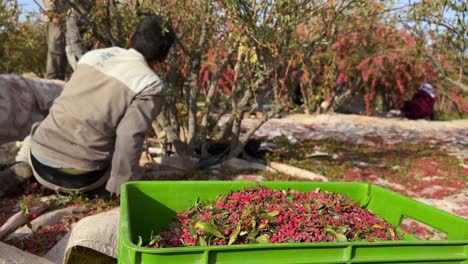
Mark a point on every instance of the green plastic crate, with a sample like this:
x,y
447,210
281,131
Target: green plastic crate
x,y
151,206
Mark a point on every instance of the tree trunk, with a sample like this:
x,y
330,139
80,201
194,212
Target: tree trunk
x,y
192,88
209,97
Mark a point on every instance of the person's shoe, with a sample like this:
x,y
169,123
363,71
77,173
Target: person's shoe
x,y
13,176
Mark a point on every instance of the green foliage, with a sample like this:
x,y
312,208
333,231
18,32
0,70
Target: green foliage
x,y
106,23
446,23
450,117
352,44
23,46
8,17
228,52
26,49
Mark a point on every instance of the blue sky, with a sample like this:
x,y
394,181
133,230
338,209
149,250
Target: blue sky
x,y
29,5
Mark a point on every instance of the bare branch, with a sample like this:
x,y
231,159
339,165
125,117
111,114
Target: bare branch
x,y
209,97
191,88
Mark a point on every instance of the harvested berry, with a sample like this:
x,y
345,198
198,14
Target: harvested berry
x,y
258,215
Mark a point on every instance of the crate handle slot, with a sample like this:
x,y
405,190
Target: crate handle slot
x,y
455,227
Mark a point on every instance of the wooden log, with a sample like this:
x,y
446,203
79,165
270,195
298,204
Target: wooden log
x,y
49,219
296,172
19,219
240,164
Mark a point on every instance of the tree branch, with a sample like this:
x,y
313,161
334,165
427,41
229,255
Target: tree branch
x,y
209,97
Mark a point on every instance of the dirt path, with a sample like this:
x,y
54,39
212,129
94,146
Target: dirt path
x,y
451,136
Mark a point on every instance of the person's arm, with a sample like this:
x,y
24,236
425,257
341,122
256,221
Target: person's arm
x,y
130,134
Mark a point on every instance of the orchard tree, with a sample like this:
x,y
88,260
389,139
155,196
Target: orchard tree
x,y
228,52
363,51
22,41
448,20
211,71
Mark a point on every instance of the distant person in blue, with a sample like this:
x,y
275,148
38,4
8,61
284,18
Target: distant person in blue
x,y
421,106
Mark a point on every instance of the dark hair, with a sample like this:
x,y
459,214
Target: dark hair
x,y
153,38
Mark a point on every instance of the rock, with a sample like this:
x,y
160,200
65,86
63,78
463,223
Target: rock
x,y
214,178
12,255
318,154
431,178
353,104
163,174
393,113
363,164
8,152
177,162
214,170
240,164
267,146
292,139
296,172
397,186
249,177
432,190
155,151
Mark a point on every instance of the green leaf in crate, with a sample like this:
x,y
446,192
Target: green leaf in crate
x,y
321,206
254,233
153,239
341,237
269,217
341,229
254,223
273,213
234,235
263,239
140,241
390,230
208,229
202,241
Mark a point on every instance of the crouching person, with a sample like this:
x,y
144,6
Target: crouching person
x,y
94,132
421,105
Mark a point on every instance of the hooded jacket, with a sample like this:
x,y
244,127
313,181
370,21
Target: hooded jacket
x,y
102,116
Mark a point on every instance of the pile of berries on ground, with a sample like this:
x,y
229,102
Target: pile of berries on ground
x,y
259,215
